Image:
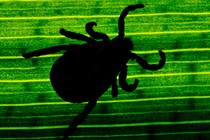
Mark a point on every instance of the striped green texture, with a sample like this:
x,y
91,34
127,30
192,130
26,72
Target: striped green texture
x,y
172,103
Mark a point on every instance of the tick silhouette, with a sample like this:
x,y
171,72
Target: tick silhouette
x,y
84,72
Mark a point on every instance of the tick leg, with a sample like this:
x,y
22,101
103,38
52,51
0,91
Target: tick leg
x,y
121,22
80,118
158,66
122,81
114,88
77,36
93,34
50,50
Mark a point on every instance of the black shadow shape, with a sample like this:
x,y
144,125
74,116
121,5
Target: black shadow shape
x,y
84,72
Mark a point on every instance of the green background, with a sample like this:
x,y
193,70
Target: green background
x,y
172,103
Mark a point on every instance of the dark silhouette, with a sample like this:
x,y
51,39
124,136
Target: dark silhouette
x,y
84,72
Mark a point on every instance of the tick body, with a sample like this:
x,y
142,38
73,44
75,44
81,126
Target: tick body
x,y
84,73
